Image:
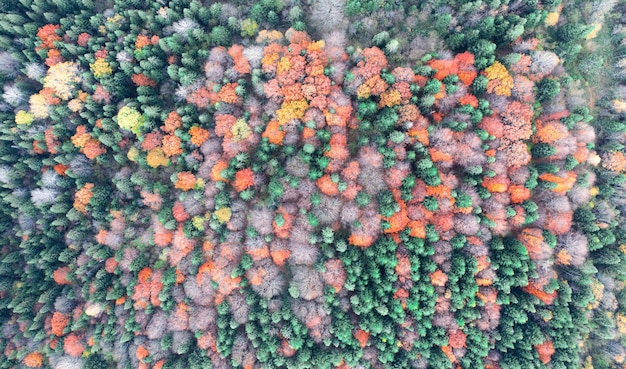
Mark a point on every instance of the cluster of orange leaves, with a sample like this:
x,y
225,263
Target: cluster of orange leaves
x,y
82,197
48,36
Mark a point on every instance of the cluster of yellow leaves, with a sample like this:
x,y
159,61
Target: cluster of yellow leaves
x,y
552,19
38,106
291,110
156,157
23,118
223,215
597,288
81,137
130,119
500,81
269,36
619,105
596,29
390,98
240,130
621,323
61,77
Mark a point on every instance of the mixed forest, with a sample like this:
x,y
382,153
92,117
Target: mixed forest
x,y
312,184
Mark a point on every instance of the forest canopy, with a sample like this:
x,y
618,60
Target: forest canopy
x,y
312,184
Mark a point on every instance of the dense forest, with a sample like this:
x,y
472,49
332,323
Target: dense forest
x,y
313,184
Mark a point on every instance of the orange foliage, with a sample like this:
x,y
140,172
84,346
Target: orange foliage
x,y
141,41
532,238
362,336
447,350
244,179
60,275
33,360
518,193
72,345
279,256
361,239
110,265
227,93
549,133
559,223
242,66
151,140
457,339
351,171
546,298
335,275
436,155
443,67
198,135
93,149
58,323
179,213
60,169
614,161
438,278
327,186
545,351
274,133
185,181
171,145
496,184
284,230
216,171
564,182
48,36
403,268
141,352
172,122
398,221
152,200
181,246
418,229
142,80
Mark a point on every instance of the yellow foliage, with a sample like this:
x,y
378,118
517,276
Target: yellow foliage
x,y
596,29
75,105
80,140
500,81
132,154
621,323
38,106
597,289
156,157
269,36
197,222
284,64
130,119
223,215
61,77
552,19
291,110
240,130
363,91
619,106
23,118
101,68
390,98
